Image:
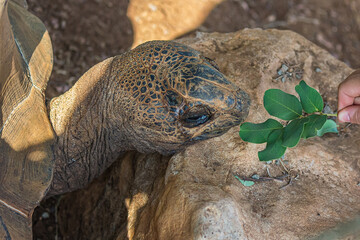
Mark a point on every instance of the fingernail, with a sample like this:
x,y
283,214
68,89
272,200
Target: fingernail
x,y
344,117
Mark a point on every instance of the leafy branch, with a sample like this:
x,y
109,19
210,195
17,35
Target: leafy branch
x,y
305,119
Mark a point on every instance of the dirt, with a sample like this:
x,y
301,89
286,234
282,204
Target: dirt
x,y
83,33
333,25
86,32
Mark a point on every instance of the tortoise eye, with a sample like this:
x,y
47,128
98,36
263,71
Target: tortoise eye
x,y
195,117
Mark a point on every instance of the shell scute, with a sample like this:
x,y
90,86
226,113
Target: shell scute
x,y
26,135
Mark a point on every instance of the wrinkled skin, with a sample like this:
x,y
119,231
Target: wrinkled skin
x,y
159,97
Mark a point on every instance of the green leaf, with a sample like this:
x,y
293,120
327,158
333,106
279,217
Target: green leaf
x,y
293,132
315,123
274,148
244,182
311,99
282,105
328,127
258,133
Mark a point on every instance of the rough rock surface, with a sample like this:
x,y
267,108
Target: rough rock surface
x,y
194,194
159,19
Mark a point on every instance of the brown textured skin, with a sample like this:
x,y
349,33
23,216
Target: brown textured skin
x,y
139,101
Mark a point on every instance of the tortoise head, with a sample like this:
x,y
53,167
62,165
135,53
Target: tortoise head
x,y
178,97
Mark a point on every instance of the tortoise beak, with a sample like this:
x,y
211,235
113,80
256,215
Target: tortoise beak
x,y
241,108
227,120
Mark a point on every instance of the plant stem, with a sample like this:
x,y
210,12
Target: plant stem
x,y
326,114
330,114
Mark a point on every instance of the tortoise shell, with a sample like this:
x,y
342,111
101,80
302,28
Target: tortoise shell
x,y
26,155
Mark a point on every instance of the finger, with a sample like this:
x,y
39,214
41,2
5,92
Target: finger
x,y
349,89
357,101
350,114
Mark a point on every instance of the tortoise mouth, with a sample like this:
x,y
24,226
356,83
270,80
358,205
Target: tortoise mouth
x,y
208,135
215,128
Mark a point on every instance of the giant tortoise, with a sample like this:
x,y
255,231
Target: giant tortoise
x,y
159,97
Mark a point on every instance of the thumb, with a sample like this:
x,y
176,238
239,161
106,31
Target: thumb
x,y
350,114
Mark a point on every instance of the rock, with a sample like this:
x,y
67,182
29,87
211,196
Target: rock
x,y
159,19
194,194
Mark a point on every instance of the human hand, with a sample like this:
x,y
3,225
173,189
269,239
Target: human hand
x,y
349,99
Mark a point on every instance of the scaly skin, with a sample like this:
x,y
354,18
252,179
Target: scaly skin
x,y
159,97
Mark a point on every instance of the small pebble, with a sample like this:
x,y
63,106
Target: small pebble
x,y
152,7
318,70
284,68
255,176
45,215
327,109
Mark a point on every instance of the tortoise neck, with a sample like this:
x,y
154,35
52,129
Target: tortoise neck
x,y
89,139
